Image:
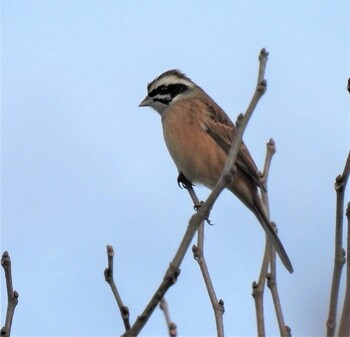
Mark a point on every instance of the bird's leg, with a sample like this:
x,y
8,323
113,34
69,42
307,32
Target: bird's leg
x,y
183,182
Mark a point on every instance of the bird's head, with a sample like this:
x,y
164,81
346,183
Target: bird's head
x,y
166,89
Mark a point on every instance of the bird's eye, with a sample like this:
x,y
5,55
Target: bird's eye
x,y
163,89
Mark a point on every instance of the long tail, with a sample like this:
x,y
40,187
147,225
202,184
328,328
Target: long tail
x,y
270,232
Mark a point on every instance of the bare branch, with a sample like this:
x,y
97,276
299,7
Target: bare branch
x,y
268,259
172,328
272,285
198,253
339,252
218,305
270,151
174,269
124,310
12,295
344,327
258,288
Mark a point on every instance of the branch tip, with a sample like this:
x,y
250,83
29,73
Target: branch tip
x,y
263,56
110,250
271,145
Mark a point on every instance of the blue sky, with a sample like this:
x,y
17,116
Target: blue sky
x,y
83,166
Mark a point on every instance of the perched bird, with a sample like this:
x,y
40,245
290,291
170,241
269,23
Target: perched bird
x,y
198,135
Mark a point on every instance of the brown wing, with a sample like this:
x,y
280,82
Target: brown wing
x,y
219,126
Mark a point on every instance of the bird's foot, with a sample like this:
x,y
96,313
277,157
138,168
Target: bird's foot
x,y
196,207
183,182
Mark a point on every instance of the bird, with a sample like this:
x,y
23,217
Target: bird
x,y
198,135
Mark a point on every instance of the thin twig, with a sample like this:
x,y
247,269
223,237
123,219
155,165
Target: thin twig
x,y
218,305
172,328
270,151
272,275
344,327
198,253
12,295
269,259
259,287
258,291
174,269
339,252
124,310
272,285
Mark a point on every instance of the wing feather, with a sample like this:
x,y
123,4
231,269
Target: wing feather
x,y
219,126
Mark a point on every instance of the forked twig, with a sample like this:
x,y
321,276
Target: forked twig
x,y
339,252
12,295
172,328
124,310
174,269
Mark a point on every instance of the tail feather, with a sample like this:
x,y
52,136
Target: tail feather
x,y
270,232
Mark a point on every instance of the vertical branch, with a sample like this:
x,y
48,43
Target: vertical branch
x,y
339,252
258,287
198,253
344,327
272,285
172,328
218,306
124,310
268,259
12,295
270,151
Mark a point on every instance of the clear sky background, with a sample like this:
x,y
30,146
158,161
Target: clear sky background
x,y
83,166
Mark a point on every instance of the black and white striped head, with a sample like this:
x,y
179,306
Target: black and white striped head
x,y
166,89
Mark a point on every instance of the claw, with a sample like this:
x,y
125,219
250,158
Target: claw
x,y
182,181
196,207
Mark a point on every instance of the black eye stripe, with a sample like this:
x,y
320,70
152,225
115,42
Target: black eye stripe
x,y
172,90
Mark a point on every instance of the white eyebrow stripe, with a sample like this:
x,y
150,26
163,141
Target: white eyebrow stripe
x,y
171,79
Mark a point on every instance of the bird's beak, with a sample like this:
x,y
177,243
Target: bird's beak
x,y
145,102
